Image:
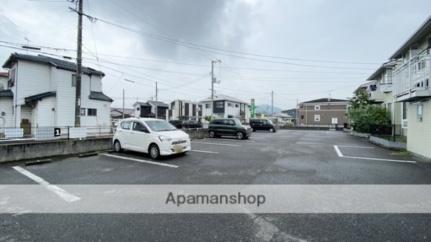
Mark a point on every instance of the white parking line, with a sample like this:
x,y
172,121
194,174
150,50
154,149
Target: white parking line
x,y
340,154
338,151
142,161
358,147
204,151
211,143
380,159
68,197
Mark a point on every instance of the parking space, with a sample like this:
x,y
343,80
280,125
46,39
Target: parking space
x,y
284,157
287,156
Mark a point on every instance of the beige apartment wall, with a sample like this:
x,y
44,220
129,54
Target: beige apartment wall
x,y
419,132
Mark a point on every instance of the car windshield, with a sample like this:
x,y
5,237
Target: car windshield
x,y
160,125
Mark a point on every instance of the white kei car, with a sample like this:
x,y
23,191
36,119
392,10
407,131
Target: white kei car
x,y
148,135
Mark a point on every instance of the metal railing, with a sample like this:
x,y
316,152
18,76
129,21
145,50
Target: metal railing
x,y
408,74
53,132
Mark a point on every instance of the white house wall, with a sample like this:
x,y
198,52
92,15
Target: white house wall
x,y
45,112
419,133
31,79
6,106
65,95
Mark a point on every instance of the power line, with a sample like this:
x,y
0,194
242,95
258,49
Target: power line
x,y
232,53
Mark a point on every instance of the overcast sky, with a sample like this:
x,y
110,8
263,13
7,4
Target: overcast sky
x,y
300,49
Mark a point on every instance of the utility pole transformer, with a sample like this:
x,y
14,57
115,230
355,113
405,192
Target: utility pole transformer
x,y
79,67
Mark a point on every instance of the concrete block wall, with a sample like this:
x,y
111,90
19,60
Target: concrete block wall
x,y
36,150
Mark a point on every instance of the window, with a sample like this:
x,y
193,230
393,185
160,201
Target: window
x,y
207,106
404,110
91,112
125,125
302,117
229,122
137,126
229,104
73,80
316,107
236,105
316,118
82,113
11,81
219,104
420,112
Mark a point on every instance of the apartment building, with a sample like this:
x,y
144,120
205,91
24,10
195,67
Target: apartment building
x,y
323,112
411,88
223,106
184,110
150,109
380,91
40,92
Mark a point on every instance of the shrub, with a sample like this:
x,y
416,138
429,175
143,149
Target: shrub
x,y
363,117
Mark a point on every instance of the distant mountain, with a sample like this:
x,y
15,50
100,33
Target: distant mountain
x,y
266,109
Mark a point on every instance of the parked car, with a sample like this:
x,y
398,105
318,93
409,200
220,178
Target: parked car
x,y
228,127
262,124
153,136
191,124
177,123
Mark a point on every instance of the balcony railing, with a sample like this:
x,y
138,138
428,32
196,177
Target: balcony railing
x,y
412,79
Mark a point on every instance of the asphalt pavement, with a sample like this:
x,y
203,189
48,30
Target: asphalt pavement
x,y
285,157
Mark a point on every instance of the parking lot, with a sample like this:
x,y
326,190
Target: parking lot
x,y
284,157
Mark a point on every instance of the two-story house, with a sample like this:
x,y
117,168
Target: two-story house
x,y
184,110
412,88
150,109
43,94
323,112
223,106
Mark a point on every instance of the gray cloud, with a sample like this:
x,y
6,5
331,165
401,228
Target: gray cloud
x,y
189,20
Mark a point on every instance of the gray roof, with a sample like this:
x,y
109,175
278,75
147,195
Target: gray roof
x,y
58,63
99,96
6,93
422,32
158,104
221,97
380,70
324,100
39,96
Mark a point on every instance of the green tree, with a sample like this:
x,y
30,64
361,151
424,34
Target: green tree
x,y
360,99
363,114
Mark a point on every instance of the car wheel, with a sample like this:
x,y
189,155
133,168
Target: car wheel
x,y
239,135
154,152
212,134
117,146
254,130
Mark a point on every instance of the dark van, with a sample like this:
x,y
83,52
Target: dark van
x,y
228,127
262,124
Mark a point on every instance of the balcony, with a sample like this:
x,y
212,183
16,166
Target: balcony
x,y
376,96
412,79
385,87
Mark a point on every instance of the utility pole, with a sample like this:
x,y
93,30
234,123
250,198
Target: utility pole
x,y
272,103
123,102
157,107
213,80
79,67
157,92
